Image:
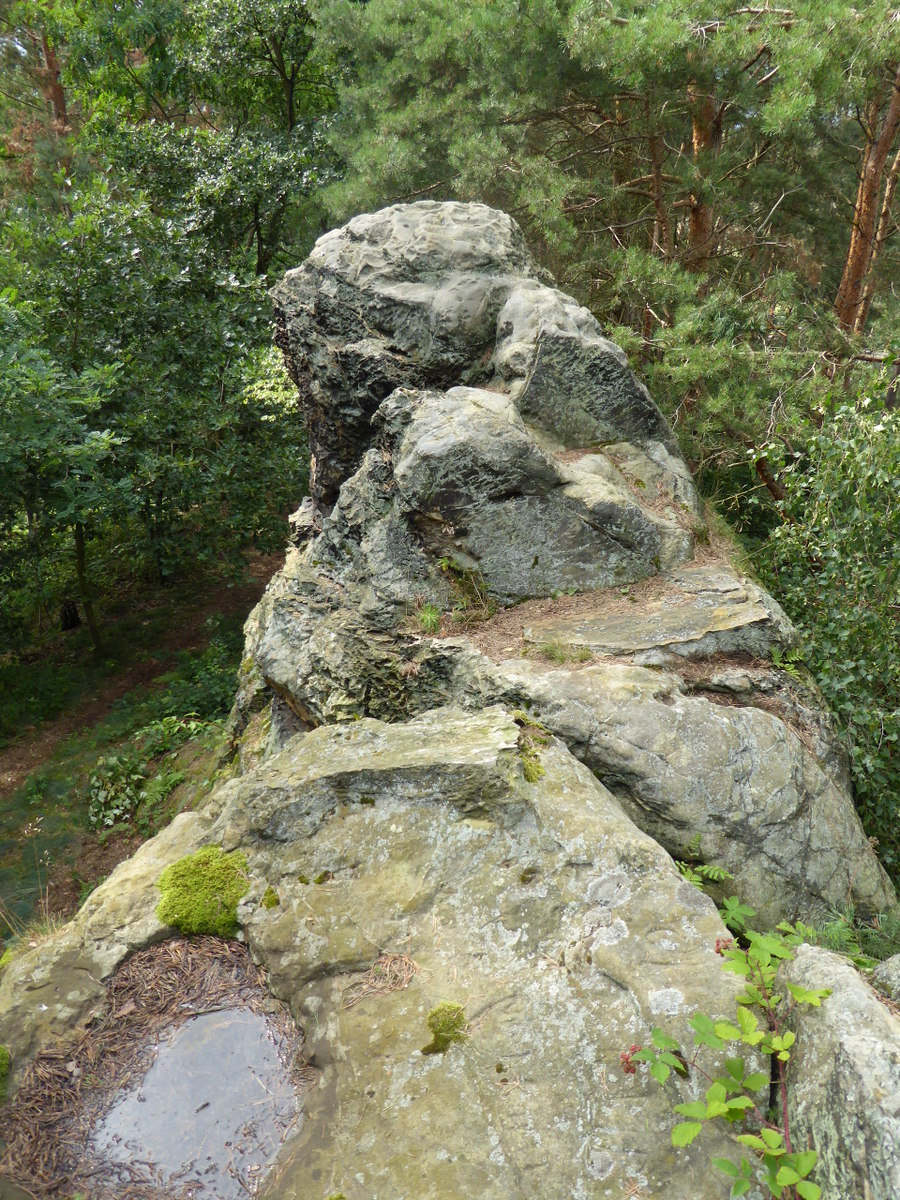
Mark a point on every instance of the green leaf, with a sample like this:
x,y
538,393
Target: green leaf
x,y
727,1031
696,1109
660,1071
808,1190
757,1080
804,1161
752,1140
813,997
772,1137
685,1132
727,1167
735,1068
741,1188
662,1040
787,1176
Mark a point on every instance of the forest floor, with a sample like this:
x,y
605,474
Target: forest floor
x,y
170,652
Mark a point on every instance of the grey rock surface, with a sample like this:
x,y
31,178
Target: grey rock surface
x,y
701,611
482,813
886,977
844,1080
534,464
526,896
738,776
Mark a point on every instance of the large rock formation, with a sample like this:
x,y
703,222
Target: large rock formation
x,y
502,676
478,442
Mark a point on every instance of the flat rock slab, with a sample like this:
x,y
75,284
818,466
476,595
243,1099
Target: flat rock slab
x,y
699,611
564,932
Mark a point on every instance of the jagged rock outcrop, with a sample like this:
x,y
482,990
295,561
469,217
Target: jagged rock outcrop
x,y
478,442
504,673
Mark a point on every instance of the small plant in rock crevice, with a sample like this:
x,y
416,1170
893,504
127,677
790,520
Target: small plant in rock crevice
x,y
756,1100
429,618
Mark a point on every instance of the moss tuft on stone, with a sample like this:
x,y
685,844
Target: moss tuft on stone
x,y
6,958
270,899
200,892
5,1062
447,1023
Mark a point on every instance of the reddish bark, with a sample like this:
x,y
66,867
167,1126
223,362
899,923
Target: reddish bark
x,y
706,131
883,128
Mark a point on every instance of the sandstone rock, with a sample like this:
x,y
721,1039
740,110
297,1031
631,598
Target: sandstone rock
x,y
844,1078
46,991
739,777
521,458
564,932
478,851
886,977
700,611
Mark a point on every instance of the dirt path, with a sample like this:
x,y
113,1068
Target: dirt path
x,y
36,743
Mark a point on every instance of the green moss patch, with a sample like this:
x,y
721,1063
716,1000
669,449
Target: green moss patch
x,y
200,892
270,899
4,1072
447,1023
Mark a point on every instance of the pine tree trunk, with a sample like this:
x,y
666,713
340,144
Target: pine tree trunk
x,y
858,262
706,136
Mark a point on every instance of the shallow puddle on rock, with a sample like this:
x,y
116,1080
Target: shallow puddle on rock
x,y
214,1106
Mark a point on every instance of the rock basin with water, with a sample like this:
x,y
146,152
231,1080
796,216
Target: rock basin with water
x,y
214,1106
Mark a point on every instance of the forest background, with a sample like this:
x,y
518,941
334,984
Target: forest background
x,y
715,181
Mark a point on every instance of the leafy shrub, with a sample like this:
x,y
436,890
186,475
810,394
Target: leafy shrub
x,y
204,684
738,1095
833,563
166,734
115,789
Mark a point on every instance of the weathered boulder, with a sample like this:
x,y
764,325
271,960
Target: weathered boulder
x,y
844,1080
48,990
886,977
494,447
476,851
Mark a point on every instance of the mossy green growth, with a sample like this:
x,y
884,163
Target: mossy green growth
x,y
5,1061
447,1023
271,898
532,736
200,892
6,958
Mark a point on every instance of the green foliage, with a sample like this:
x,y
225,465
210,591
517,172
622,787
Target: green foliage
x,y
115,789
700,873
447,1024
270,898
866,941
429,618
203,685
166,734
834,565
5,1062
560,652
200,892
740,1095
